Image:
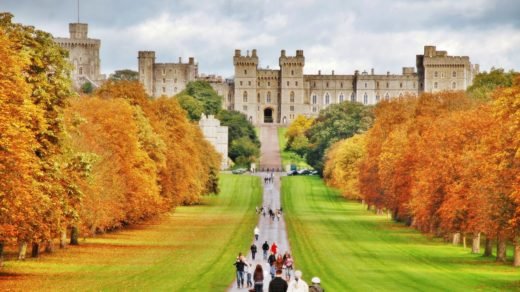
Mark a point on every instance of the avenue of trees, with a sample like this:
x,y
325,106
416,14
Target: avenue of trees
x,y
86,164
447,163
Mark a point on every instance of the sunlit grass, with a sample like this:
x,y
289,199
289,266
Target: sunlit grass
x,y
191,249
352,249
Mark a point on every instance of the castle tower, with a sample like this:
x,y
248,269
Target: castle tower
x,y
146,70
246,84
78,30
291,88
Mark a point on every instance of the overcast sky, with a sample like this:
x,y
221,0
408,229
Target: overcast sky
x,y
335,35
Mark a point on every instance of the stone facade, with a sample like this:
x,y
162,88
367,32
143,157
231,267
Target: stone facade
x,y
83,55
278,95
217,135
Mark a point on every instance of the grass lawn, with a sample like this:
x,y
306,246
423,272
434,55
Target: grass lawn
x,y
192,249
289,157
352,249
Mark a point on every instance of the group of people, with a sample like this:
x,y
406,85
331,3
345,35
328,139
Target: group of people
x,y
254,280
269,179
276,213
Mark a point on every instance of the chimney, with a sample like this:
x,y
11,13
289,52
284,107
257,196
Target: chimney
x,y
387,73
372,71
191,61
283,53
180,60
333,72
237,53
319,72
253,54
247,53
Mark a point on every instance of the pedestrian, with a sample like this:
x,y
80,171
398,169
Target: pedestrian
x,y
253,250
247,271
281,209
298,284
258,277
256,232
274,248
265,248
240,265
272,269
278,284
288,263
279,262
316,285
278,215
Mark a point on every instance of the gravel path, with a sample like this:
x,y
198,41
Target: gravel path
x,y
270,231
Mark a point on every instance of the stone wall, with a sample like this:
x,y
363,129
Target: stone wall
x,y
217,135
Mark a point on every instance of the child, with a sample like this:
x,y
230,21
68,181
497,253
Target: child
x,y
247,270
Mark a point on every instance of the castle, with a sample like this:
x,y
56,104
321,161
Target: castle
x,y
279,95
83,55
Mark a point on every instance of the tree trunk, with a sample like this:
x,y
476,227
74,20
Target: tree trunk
x,y
475,247
368,207
488,251
49,247
464,240
74,235
1,254
516,261
63,238
501,250
22,250
35,250
456,238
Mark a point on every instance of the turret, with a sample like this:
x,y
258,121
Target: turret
x,y
146,64
78,30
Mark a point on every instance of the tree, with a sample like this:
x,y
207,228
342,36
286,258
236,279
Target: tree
x,y
203,92
244,150
87,88
297,129
336,122
485,83
125,74
239,127
191,105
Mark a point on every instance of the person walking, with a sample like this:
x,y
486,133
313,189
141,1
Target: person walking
x,y
256,232
258,278
298,284
316,285
274,248
247,272
278,284
240,265
272,268
253,250
265,248
289,263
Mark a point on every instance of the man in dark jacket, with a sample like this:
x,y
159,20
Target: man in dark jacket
x,y
240,264
253,250
265,248
278,284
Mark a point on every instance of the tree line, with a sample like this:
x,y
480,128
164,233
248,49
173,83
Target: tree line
x,y
446,163
86,164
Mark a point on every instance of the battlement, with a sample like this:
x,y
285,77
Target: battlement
x,y
248,60
146,54
78,30
297,60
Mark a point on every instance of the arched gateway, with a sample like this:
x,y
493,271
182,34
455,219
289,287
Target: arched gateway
x,y
268,115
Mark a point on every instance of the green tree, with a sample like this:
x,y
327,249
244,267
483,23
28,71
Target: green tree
x,y
243,148
239,128
193,106
87,88
300,145
484,83
202,91
125,74
338,121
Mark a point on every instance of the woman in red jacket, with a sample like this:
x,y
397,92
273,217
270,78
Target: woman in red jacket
x,y
274,248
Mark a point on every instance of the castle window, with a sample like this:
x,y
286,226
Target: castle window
x,y
244,107
314,99
435,74
365,98
387,85
366,85
245,72
314,109
353,97
454,74
245,96
164,80
296,83
258,83
341,84
327,84
249,83
292,96
292,72
268,83
164,89
258,98
454,85
387,96
401,85
435,85
241,83
175,80
327,98
268,99
442,74
377,84
80,70
288,83
314,84
341,97
291,108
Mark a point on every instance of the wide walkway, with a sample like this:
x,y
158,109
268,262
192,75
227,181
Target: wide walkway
x,y
270,231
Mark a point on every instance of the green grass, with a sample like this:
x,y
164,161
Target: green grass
x,y
352,249
192,249
289,157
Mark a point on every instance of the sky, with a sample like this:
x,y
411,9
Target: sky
x,y
338,35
